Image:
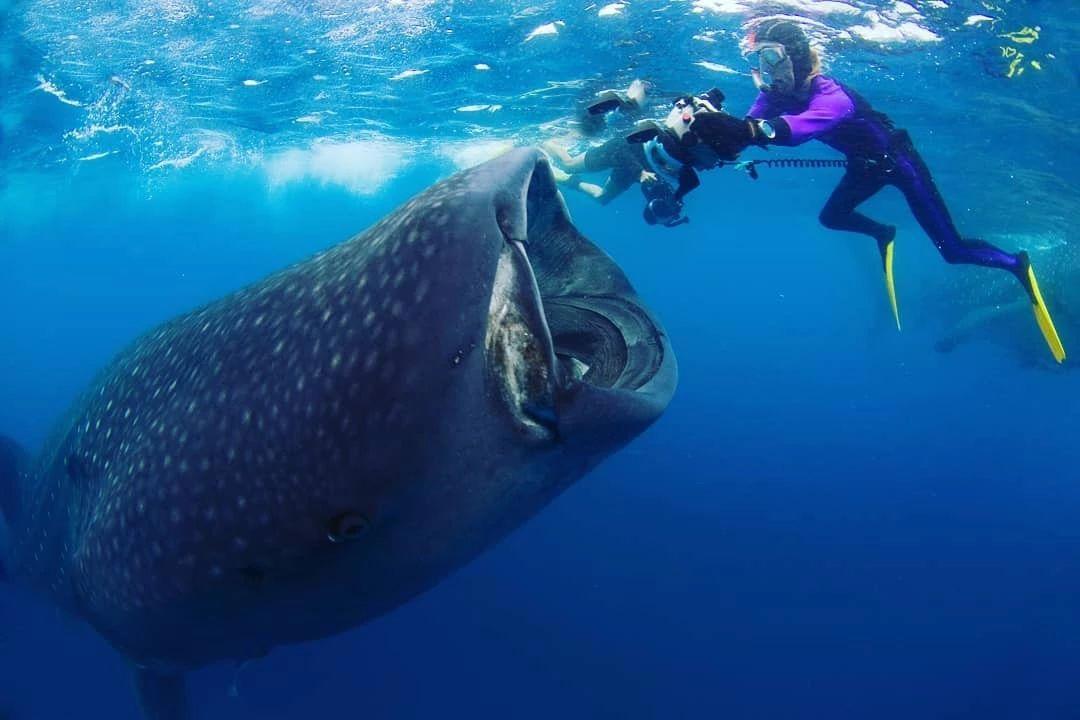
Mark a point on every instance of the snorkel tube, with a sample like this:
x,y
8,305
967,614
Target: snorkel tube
x,y
759,82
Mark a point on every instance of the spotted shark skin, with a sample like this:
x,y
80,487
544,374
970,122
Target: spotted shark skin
x,y
314,450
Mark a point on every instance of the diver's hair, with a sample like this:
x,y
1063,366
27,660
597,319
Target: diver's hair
x,y
815,66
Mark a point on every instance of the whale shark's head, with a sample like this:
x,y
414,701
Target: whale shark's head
x,y
571,353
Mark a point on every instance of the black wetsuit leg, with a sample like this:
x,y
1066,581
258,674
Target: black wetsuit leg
x,y
857,186
909,173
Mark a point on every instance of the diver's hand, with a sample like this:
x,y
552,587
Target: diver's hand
x,y
724,133
647,177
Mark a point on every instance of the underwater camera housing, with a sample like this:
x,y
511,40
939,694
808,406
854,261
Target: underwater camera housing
x,y
662,207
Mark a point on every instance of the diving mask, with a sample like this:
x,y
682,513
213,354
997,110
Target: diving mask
x,y
770,67
765,56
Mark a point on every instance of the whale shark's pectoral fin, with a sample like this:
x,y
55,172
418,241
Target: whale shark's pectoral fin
x,y
161,696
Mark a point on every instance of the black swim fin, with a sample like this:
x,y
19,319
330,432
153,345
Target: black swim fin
x,y
609,100
161,696
644,131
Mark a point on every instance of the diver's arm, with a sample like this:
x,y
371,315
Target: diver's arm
x,y
760,108
826,110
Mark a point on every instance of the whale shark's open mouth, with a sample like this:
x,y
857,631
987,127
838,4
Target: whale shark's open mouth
x,y
564,318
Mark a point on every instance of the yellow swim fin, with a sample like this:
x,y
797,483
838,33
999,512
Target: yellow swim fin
x,y
890,283
1042,316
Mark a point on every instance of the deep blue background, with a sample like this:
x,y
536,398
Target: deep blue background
x,y
832,519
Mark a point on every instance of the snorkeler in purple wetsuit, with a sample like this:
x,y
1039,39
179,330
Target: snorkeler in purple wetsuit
x,y
797,104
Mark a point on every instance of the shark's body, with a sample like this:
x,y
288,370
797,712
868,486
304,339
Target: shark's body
x,y
312,451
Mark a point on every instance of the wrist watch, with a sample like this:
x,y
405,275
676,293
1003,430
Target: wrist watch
x,y
766,129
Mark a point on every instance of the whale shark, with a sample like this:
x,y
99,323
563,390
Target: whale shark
x,y
314,450
987,310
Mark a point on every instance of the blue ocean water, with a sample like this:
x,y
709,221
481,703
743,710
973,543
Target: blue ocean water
x,y
832,519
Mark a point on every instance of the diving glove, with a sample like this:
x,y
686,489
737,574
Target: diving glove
x,y
726,134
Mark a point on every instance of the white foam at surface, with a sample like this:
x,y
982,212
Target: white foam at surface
x,y
546,30
209,143
977,20
824,8
180,162
404,74
717,67
884,34
96,129
481,66
801,7
612,10
917,33
174,10
360,166
468,153
721,7
47,86
98,156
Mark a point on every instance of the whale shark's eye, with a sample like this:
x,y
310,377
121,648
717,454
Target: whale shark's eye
x,y
347,526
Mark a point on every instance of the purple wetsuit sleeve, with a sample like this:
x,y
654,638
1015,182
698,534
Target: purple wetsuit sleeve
x,y
828,107
760,109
